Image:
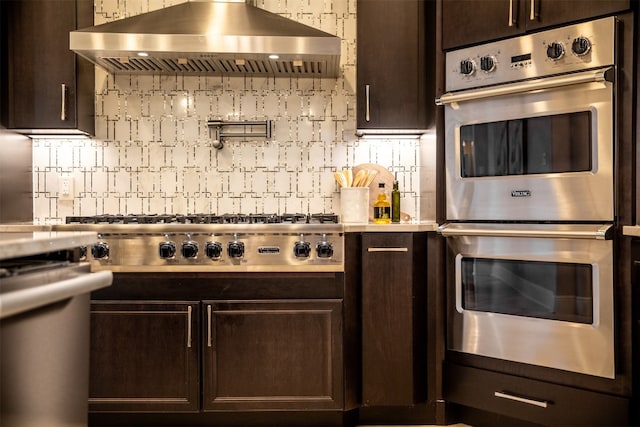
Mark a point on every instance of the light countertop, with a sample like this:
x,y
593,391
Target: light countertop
x,y
409,227
14,244
631,230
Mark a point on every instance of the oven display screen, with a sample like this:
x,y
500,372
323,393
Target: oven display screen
x,y
539,289
520,58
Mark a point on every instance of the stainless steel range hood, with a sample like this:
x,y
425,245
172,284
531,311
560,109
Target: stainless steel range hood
x,y
210,37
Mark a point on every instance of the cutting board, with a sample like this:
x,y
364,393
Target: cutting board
x,y
383,175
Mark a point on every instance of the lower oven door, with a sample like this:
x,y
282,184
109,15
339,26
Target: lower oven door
x,y
535,294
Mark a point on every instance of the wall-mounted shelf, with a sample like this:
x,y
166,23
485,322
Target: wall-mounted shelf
x,y
244,129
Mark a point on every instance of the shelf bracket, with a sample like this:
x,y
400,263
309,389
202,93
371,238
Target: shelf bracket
x,y
244,129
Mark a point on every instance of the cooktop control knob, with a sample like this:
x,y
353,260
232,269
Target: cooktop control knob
x,y
555,50
581,46
324,249
167,249
488,63
189,248
213,250
100,250
235,249
302,249
467,67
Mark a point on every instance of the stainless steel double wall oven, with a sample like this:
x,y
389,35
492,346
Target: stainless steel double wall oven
x,y
530,147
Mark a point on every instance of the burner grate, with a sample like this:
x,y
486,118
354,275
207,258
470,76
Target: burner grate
x,y
202,218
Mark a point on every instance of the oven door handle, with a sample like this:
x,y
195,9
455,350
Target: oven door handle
x,y
592,76
567,231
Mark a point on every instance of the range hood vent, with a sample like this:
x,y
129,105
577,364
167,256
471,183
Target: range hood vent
x,y
212,37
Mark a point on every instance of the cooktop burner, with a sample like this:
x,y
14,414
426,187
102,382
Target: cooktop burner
x,y
296,218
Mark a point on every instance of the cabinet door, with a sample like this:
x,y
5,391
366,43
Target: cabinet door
x,y
392,80
48,86
466,22
271,355
144,356
547,13
393,337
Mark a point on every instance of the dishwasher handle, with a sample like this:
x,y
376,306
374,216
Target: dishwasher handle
x,y
16,302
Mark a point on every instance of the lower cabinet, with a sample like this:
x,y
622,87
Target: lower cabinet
x,y
394,321
144,356
149,356
272,355
531,400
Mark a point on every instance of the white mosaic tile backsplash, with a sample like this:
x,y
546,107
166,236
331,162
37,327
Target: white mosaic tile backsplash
x,y
153,151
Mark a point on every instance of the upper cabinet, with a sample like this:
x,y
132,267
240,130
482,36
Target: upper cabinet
x,y
395,67
467,22
45,86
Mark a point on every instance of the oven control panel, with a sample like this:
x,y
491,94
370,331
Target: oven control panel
x,y
561,50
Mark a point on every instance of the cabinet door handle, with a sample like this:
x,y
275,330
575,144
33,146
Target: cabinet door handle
x,y
511,22
387,249
189,310
534,402
367,114
63,107
532,11
209,326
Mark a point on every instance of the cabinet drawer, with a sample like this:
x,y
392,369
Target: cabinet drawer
x,y
532,400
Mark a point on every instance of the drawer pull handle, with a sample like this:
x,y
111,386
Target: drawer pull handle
x,y
387,249
540,403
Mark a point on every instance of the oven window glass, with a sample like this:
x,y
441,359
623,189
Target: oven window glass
x,y
547,144
546,290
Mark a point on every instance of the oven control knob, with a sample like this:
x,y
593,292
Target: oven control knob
x,y
213,250
189,249
555,50
302,249
100,250
581,46
82,252
324,249
488,63
467,67
167,250
235,249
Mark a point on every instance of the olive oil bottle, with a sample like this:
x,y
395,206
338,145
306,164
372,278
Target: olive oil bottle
x,y
395,203
382,207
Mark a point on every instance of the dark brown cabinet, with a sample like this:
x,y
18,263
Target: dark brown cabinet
x,y
467,22
268,355
45,86
256,355
393,319
144,356
395,67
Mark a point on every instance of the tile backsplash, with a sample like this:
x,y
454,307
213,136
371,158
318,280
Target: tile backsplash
x,y
154,153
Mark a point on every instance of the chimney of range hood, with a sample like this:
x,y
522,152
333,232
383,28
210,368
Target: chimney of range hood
x,y
216,37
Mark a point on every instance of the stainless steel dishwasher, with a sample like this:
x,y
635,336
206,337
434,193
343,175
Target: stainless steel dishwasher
x,y
44,341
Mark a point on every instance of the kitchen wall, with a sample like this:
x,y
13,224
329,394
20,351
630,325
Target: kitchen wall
x,y
153,151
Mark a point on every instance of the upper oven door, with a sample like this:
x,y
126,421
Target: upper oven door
x,y
537,154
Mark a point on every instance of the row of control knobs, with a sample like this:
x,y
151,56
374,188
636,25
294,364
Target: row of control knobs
x,y
555,50
214,249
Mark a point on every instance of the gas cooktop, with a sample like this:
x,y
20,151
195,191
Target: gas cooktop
x,y
297,218
211,242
